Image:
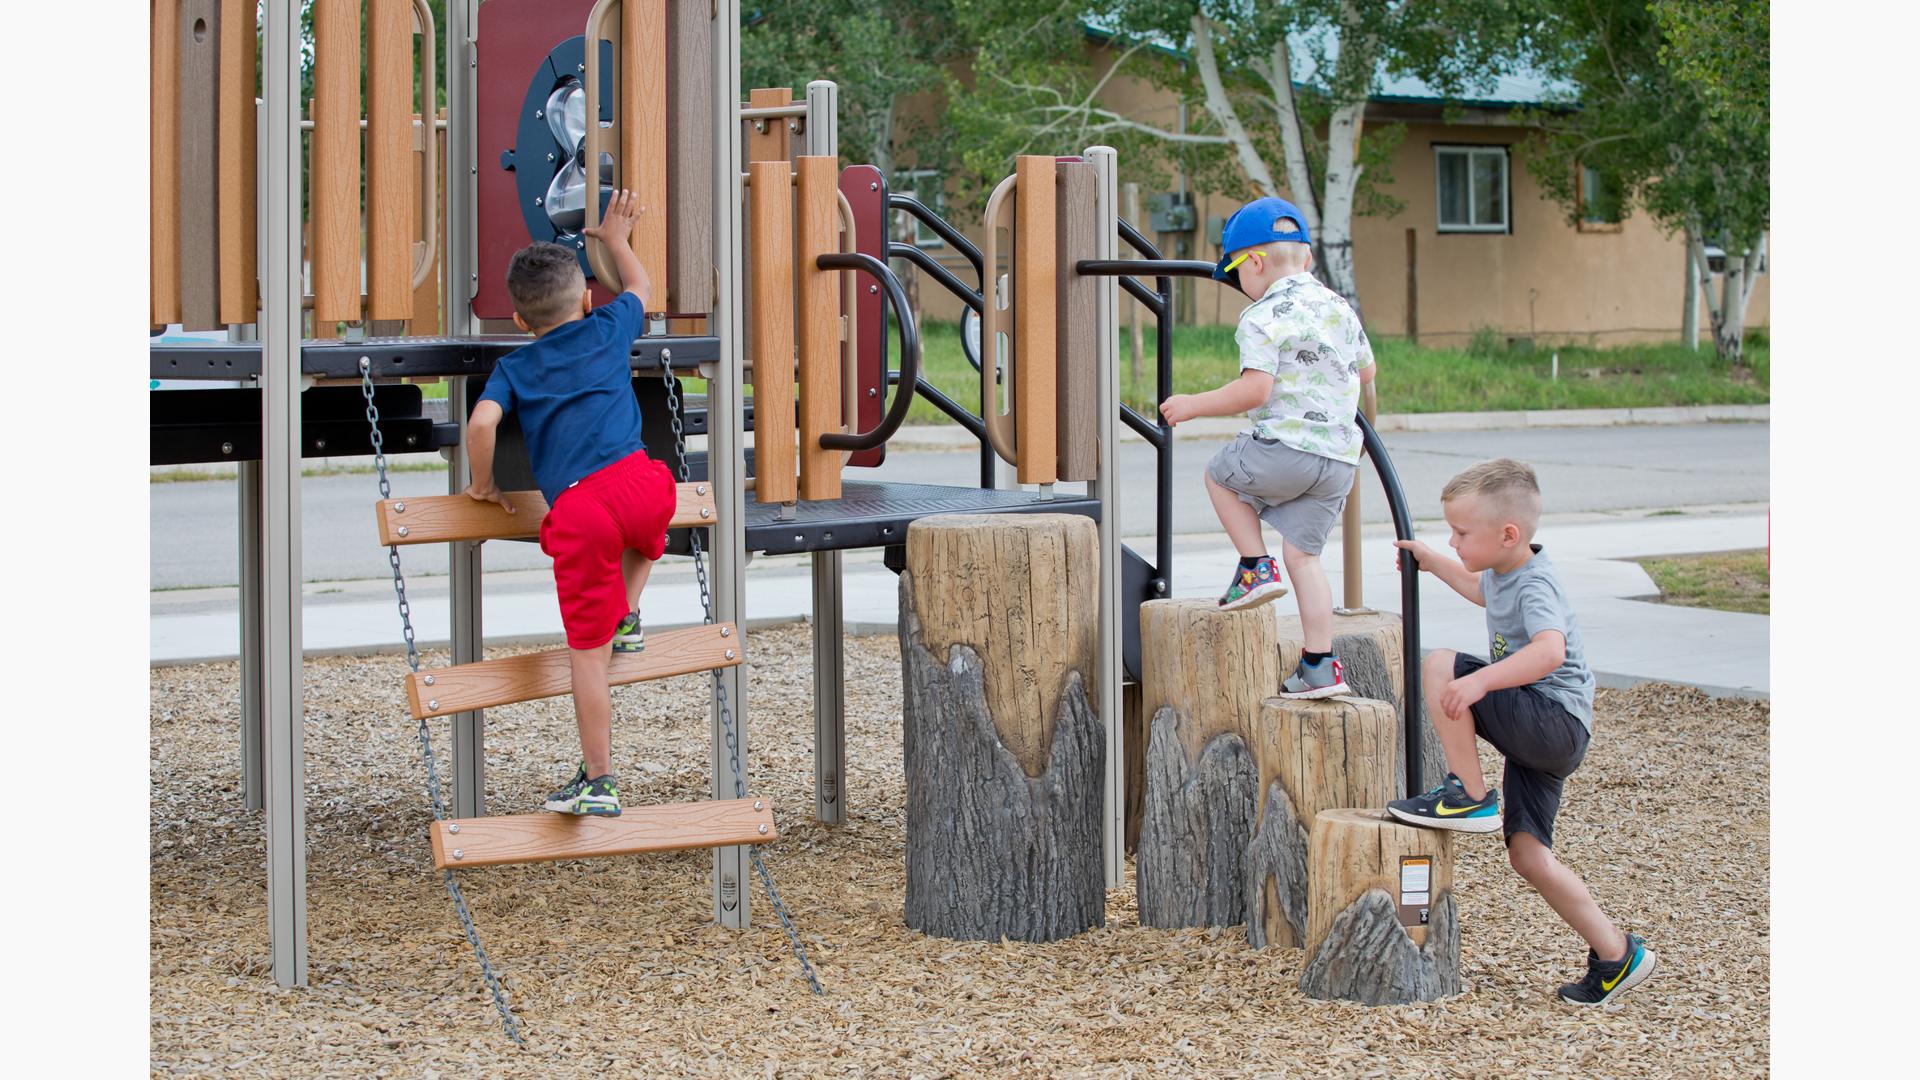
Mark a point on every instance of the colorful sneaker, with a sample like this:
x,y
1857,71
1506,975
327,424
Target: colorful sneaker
x,y
630,636
1324,679
1255,586
1450,807
599,797
1607,980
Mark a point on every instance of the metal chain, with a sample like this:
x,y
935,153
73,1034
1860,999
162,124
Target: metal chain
x,y
719,684
487,973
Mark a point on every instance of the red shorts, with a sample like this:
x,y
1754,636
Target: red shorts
x,y
625,505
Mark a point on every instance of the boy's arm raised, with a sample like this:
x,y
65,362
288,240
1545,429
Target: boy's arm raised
x,y
615,226
1458,578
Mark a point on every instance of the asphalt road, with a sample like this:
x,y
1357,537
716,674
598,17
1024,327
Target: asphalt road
x,y
195,524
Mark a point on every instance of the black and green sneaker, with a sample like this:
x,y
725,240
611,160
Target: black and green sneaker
x,y
599,797
1607,979
630,636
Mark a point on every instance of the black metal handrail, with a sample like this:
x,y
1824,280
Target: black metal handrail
x,y
941,229
909,351
919,257
1411,698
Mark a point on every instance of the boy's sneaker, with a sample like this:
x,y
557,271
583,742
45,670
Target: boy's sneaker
x,y
1450,807
1324,679
599,797
1253,586
630,636
1607,980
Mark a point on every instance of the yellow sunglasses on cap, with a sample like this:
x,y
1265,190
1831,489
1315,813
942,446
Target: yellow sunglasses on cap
x,y
1243,256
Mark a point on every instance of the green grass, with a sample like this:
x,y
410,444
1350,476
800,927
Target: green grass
x,y
1414,379
1728,581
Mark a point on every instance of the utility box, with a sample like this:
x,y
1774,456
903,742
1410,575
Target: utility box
x,y
1171,212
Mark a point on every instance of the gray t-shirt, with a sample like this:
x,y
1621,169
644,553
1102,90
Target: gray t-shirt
x,y
1524,603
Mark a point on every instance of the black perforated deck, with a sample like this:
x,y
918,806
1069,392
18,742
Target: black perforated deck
x,y
876,514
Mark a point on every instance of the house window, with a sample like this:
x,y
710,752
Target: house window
x,y
925,185
1600,203
1472,188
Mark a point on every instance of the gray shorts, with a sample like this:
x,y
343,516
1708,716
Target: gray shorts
x,y
1299,494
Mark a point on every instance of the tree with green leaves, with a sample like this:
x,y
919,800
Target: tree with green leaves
x,y
1672,112
1273,92
882,54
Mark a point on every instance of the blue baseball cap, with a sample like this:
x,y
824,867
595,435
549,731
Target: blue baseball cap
x,y
1258,222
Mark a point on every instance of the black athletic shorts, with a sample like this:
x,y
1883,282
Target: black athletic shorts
x,y
1542,742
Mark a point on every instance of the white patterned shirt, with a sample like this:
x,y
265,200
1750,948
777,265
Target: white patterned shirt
x,y
1308,338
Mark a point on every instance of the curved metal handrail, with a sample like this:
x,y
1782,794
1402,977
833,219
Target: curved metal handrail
x,y
1411,697
429,145
942,229
909,352
603,269
1001,430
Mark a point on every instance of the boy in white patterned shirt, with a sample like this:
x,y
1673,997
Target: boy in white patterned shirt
x,y
1303,360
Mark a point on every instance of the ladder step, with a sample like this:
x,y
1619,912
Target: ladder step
x,y
448,690
437,519
525,838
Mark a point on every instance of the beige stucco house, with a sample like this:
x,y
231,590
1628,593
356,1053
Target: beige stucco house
x,y
1477,245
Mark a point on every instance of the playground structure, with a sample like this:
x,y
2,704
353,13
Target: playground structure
x,y
770,265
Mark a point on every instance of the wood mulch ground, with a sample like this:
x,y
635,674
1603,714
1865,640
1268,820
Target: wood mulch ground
x,y
614,966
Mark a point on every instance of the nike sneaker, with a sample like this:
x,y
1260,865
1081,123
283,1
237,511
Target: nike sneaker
x,y
1608,979
1450,807
1253,586
598,797
630,636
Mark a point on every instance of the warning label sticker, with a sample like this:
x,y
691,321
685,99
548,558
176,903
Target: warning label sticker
x,y
1416,889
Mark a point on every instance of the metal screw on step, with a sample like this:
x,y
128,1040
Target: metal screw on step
x,y
458,854
726,631
758,805
700,490
763,830
706,512
729,654
399,508
454,828
433,703
429,680
403,530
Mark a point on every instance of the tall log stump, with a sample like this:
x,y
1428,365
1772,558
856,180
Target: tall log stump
x,y
1370,645
1381,925
1316,756
1207,672
1005,757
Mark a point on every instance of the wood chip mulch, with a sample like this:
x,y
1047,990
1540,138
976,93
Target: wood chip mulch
x,y
614,966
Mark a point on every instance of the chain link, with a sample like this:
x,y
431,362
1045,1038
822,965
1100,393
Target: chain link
x,y
720,684
487,973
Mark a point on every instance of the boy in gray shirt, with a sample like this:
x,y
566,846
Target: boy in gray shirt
x,y
1533,702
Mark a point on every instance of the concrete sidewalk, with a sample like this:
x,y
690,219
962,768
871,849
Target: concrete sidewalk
x,y
1628,640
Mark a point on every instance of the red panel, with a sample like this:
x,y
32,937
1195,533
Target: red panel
x,y
866,192
514,39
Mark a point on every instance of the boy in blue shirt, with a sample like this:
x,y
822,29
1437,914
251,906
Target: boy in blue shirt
x,y
1533,703
609,503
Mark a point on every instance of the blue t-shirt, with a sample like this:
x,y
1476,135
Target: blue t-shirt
x,y
573,393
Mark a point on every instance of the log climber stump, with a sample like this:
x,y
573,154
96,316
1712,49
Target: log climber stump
x,y
1369,644
1316,755
1381,925
1005,756
1206,673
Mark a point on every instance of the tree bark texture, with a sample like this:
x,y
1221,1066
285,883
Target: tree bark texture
x,y
1365,942
1005,756
1207,672
1330,754
1370,645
